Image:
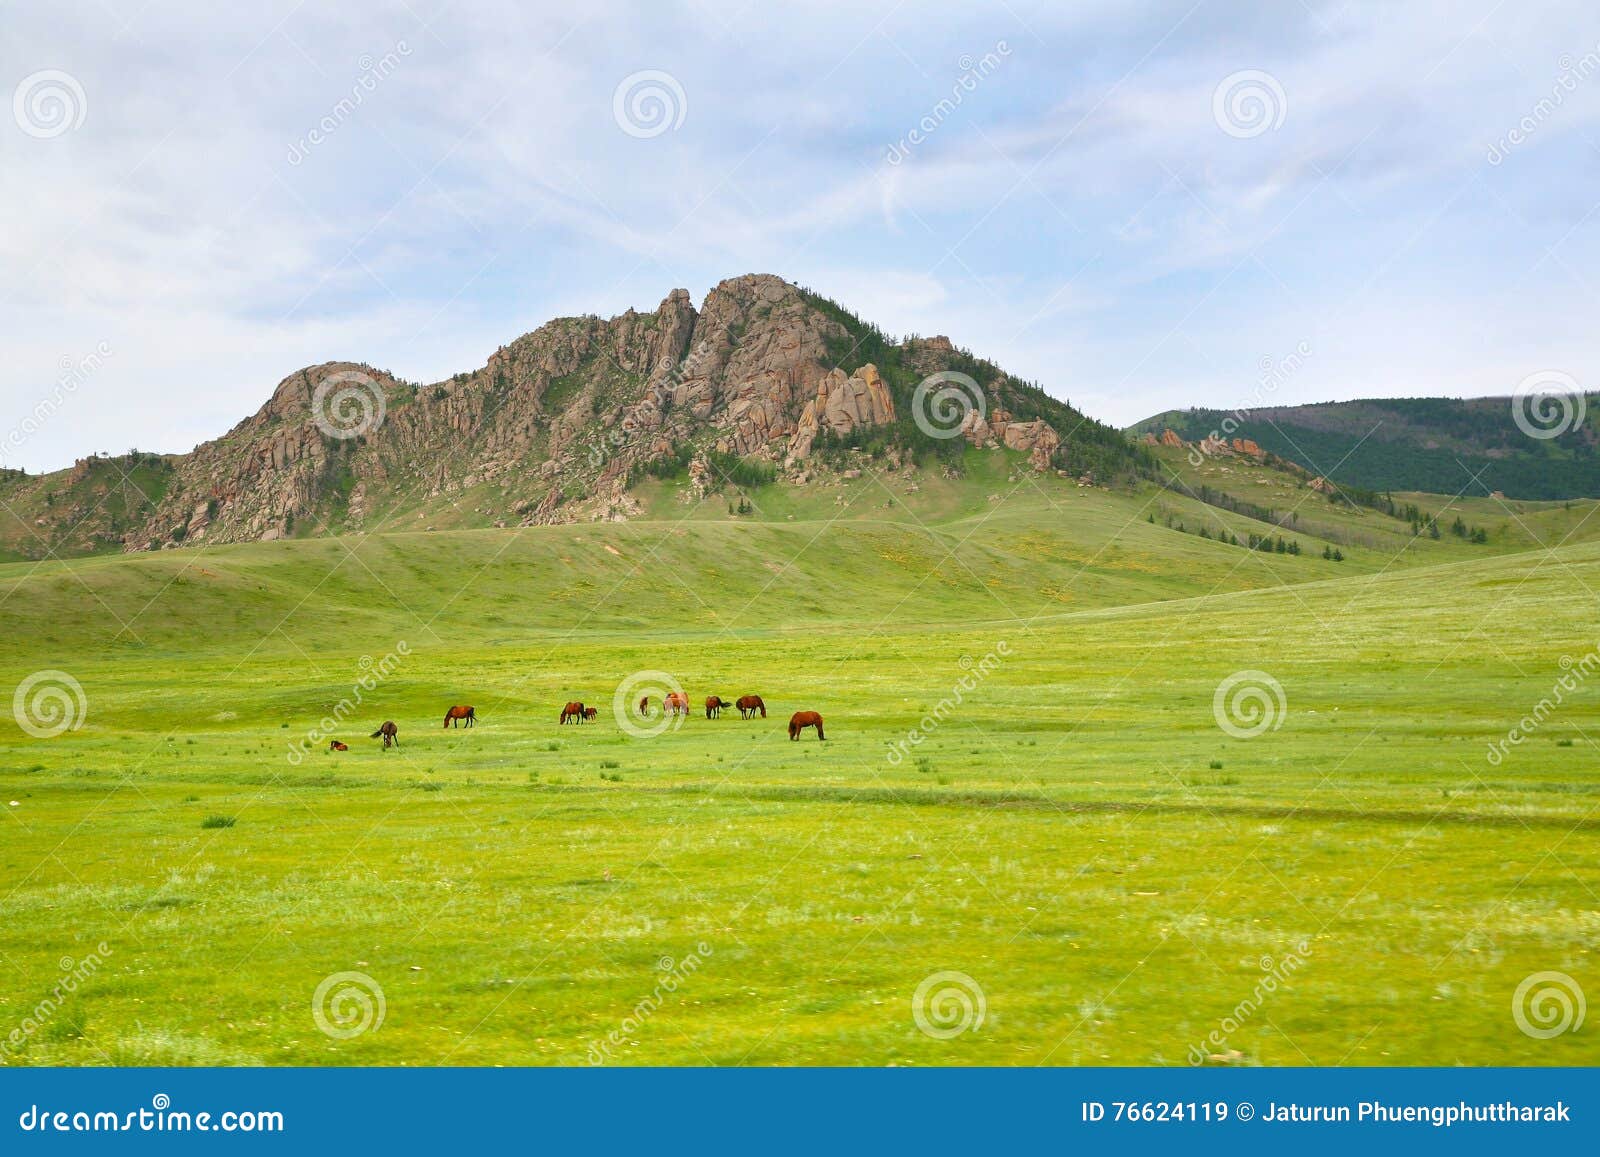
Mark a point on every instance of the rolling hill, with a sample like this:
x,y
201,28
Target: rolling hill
x,y
982,537
1471,446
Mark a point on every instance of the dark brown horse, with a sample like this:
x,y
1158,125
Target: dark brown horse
x,y
590,712
470,714
748,705
390,733
676,703
800,720
644,705
337,746
572,711
714,706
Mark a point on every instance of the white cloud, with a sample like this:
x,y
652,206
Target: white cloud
x,y
1079,218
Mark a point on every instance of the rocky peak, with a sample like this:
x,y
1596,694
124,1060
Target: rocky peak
x,y
559,423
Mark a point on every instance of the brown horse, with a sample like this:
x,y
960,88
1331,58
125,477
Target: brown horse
x,y
676,703
644,705
470,714
572,711
590,712
390,733
714,706
800,720
748,705
337,746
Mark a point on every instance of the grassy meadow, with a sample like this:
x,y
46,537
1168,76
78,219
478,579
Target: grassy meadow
x,y
1112,872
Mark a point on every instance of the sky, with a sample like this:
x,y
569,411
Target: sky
x,y
1138,206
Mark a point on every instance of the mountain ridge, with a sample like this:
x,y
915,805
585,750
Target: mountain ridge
x,y
1522,446
764,380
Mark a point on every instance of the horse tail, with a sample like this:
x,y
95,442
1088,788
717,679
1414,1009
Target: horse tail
x,y
376,733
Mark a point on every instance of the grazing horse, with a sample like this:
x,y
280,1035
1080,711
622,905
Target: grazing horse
x,y
572,711
590,712
337,746
644,705
676,703
748,705
470,714
390,733
800,720
714,706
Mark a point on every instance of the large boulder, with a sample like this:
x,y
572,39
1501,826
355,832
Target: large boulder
x,y
843,404
1037,438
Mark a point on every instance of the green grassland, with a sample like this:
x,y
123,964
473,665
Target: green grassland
x,y
1075,832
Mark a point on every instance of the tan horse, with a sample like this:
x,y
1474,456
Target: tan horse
x,y
676,703
800,720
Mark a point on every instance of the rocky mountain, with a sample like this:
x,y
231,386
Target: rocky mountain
x,y
1528,447
764,382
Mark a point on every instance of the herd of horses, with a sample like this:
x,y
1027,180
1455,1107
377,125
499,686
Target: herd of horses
x,y
673,703
677,703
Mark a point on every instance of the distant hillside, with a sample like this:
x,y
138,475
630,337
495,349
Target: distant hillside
x,y
765,383
1436,445
894,549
